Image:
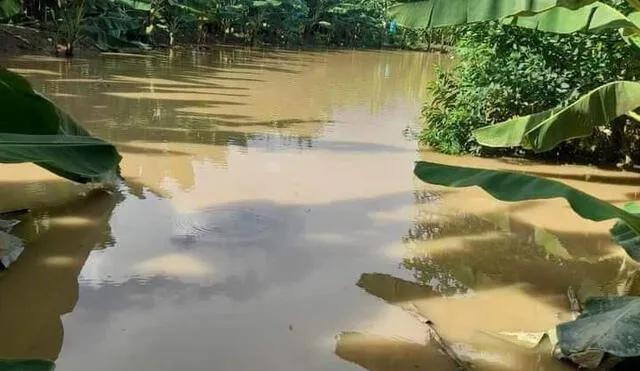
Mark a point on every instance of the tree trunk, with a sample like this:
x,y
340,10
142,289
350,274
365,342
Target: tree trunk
x,y
617,149
69,51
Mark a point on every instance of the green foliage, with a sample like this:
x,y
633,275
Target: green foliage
x,y
608,326
625,236
9,8
27,365
33,129
506,71
112,24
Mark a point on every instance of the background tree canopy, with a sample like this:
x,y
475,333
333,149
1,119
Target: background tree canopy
x,y
113,24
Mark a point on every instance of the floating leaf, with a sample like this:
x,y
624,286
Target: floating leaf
x,y
523,339
7,224
551,244
10,249
608,325
528,340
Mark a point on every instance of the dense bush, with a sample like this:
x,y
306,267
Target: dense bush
x,y
503,71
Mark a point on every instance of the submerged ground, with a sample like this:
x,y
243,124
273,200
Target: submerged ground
x,y
270,208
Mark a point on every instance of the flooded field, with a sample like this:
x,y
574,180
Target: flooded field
x,y
271,221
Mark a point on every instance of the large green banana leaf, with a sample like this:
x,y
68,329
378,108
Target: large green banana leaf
x,y
544,130
592,18
625,236
27,365
510,186
9,8
33,129
439,13
634,3
631,36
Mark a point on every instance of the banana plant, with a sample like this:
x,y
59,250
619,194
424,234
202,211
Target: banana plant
x,y
608,326
545,130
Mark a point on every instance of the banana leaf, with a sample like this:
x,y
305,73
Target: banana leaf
x,y
543,131
634,3
510,186
591,18
608,324
625,236
27,365
440,13
630,36
9,8
140,5
34,129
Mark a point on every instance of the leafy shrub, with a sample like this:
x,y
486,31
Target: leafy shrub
x,y
504,71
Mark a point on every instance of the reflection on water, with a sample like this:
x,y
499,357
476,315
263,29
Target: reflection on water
x,y
261,187
42,285
481,275
454,254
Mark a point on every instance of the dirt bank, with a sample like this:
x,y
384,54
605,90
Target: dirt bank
x,y
19,40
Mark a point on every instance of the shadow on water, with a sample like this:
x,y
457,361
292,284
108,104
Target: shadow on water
x,y
129,148
279,123
258,247
42,285
227,78
593,178
212,136
377,353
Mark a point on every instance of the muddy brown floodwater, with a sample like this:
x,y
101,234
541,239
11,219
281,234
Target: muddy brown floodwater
x,y
271,221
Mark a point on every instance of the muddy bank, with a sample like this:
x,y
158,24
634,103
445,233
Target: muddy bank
x,y
19,40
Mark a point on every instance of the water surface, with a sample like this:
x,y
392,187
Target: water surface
x,y
270,207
